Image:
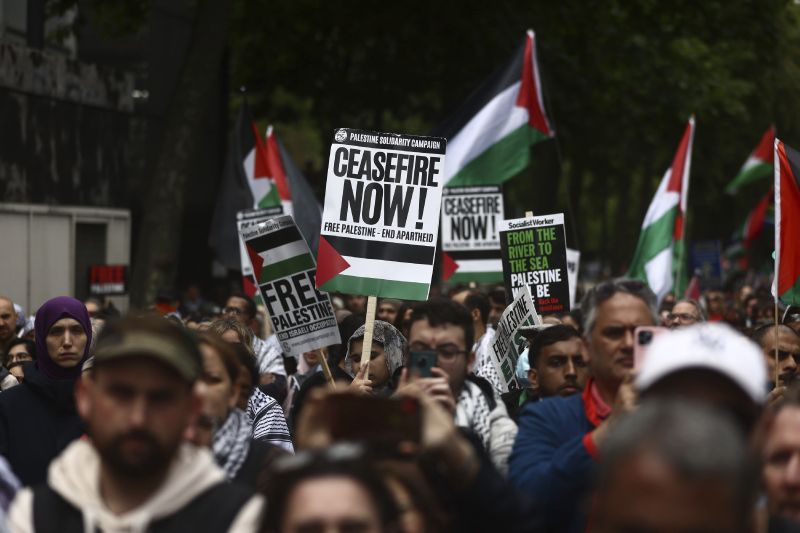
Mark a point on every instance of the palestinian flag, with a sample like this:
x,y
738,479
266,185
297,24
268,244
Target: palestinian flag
x,y
294,192
279,254
787,224
402,272
489,137
756,220
259,174
758,165
659,253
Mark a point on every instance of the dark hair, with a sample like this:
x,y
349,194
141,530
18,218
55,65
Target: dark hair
x,y
478,300
342,460
250,305
29,345
760,332
548,336
247,360
441,311
497,295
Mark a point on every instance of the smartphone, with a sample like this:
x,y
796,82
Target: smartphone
x,y
643,337
381,423
420,363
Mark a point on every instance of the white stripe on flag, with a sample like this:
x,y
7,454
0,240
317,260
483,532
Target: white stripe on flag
x,y
662,202
659,273
388,270
479,265
258,187
496,120
281,253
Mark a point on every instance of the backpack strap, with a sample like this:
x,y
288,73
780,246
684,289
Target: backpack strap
x,y
212,511
53,514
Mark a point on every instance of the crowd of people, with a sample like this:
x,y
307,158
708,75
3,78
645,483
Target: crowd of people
x,y
189,417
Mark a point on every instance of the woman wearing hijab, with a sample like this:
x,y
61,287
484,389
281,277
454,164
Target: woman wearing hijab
x,y
386,357
38,418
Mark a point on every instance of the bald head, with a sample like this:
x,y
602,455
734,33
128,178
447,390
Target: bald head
x,y
8,321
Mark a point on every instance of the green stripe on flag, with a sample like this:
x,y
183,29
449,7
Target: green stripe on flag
x,y
403,290
272,199
501,161
754,173
477,277
653,240
792,296
285,268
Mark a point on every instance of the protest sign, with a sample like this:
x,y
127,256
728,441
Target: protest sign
x,y
573,265
706,262
284,271
534,252
381,216
108,280
508,341
470,220
249,218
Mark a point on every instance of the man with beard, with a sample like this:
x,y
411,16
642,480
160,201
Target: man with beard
x,y
788,348
558,367
136,472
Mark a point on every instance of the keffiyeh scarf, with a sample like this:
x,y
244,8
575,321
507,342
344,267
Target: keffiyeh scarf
x,y
232,442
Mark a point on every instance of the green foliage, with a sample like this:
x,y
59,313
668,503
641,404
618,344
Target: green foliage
x,y
620,79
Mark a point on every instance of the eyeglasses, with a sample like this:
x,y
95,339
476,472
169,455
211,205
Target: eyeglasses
x,y
683,317
445,352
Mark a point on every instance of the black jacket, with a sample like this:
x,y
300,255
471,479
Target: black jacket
x,y
37,421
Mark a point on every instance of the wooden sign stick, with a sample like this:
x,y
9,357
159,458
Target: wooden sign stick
x,y
369,326
326,370
538,318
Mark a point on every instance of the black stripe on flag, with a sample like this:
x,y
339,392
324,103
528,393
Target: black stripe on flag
x,y
276,238
793,157
474,254
502,78
386,251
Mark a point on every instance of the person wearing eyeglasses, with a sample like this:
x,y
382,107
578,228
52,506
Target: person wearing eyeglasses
x,y
446,327
555,451
685,313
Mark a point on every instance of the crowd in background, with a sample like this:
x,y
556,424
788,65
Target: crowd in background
x,y
189,417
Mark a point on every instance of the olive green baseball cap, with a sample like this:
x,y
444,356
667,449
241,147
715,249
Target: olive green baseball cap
x,y
142,343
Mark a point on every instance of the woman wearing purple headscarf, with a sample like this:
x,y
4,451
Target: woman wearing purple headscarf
x,y
38,418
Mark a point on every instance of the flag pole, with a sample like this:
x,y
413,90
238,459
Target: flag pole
x,y
326,370
777,366
683,207
369,326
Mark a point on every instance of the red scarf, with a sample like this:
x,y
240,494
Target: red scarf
x,y
596,409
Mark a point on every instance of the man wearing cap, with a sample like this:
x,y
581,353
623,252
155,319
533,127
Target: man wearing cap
x,y
555,450
135,472
709,363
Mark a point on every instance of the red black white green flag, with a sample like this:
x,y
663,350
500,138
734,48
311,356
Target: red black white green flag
x,y
259,174
787,224
489,137
758,165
